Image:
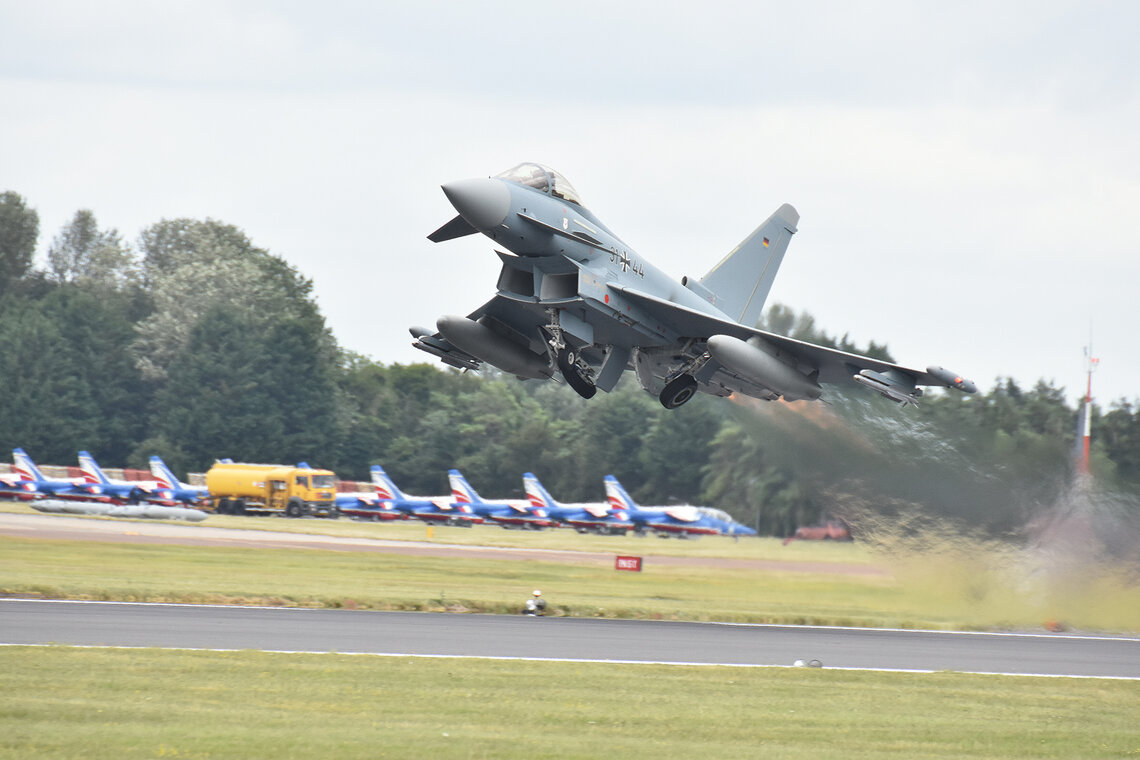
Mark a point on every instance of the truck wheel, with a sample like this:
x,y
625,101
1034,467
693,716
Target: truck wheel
x,y
334,513
295,508
237,507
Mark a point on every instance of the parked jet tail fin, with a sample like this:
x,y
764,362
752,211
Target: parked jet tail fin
x,y
163,475
24,466
383,485
536,493
739,284
617,496
461,490
92,472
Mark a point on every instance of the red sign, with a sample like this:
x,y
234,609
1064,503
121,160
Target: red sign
x,y
628,563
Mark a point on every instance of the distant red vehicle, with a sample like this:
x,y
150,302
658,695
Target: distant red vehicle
x,y
832,530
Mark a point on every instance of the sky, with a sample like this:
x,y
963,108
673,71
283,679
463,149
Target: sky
x,y
967,174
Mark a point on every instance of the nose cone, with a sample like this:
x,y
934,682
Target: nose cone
x,y
484,203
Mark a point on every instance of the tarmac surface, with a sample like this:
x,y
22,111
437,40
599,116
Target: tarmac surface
x,y
454,635
575,639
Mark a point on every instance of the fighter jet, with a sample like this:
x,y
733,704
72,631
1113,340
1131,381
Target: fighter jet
x,y
173,488
56,488
682,522
584,518
372,506
123,491
439,509
508,514
572,298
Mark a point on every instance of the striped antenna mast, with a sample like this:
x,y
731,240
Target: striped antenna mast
x,y
1091,364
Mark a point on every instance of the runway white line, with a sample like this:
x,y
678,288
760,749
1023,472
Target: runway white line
x,y
579,661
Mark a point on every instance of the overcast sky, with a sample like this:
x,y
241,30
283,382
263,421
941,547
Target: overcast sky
x,y
967,174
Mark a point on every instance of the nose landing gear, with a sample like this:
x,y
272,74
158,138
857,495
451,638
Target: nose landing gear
x,y
577,372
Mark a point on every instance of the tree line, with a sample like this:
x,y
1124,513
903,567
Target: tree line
x,y
194,344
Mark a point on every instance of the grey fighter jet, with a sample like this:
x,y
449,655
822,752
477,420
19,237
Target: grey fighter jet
x,y
573,299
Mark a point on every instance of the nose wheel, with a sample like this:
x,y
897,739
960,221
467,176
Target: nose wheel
x,y
578,374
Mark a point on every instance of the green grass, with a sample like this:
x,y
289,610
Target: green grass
x,y
368,580
61,702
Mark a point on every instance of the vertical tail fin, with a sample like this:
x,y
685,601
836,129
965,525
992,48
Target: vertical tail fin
x,y
739,284
163,475
24,466
536,493
461,490
617,495
383,486
92,472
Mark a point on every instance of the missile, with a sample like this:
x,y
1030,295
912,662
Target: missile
x,y
892,384
483,343
951,379
754,363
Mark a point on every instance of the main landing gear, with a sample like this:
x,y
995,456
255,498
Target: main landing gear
x,y
679,390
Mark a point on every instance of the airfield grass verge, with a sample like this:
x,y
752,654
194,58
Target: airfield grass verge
x,y
381,581
146,703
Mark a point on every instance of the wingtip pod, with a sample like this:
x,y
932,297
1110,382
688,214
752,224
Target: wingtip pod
x,y
952,379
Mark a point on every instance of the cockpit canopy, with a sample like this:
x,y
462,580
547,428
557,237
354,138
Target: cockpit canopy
x,y
542,178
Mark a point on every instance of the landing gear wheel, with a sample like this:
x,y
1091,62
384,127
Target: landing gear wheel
x,y
679,390
573,369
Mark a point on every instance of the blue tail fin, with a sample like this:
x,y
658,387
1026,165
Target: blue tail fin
x,y
163,475
617,495
24,466
92,472
461,490
383,485
536,493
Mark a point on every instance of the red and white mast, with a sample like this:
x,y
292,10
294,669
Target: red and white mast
x,y
1091,364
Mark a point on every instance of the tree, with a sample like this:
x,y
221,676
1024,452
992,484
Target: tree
x,y
676,450
215,402
1118,432
45,406
19,230
82,251
192,267
171,243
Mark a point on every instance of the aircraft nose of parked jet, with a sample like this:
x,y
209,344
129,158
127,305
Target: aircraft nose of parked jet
x,y
484,203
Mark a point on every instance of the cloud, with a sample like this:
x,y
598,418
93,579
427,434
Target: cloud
x,y
966,174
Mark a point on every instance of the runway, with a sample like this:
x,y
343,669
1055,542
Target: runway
x,y
577,639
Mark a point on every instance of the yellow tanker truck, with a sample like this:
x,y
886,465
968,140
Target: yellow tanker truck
x,y
237,488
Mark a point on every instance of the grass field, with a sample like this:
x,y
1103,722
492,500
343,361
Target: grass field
x,y
61,702
939,595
